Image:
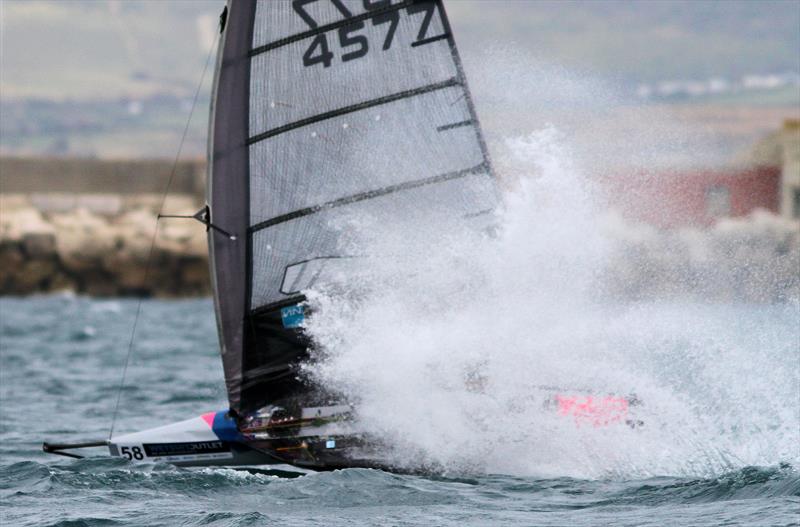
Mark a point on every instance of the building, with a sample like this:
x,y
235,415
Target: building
x,y
782,149
768,179
698,198
790,165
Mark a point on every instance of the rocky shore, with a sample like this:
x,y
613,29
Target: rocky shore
x,y
99,247
101,254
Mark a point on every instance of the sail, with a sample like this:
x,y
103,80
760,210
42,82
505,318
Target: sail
x,y
324,108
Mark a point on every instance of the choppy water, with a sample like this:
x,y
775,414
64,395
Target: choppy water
x,y
61,359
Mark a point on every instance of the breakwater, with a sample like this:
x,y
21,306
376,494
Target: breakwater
x,y
756,258
101,254
86,226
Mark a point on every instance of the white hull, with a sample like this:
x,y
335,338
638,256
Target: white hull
x,y
206,440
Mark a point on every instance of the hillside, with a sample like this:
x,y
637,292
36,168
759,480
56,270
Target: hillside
x,y
115,78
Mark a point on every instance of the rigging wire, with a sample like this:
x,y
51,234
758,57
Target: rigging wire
x,y
151,251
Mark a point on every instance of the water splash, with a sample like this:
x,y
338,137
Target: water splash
x,y
449,345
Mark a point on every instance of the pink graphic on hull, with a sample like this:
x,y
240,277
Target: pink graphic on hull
x,y
601,411
209,419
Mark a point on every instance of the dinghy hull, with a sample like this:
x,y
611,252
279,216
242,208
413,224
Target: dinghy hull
x,y
211,439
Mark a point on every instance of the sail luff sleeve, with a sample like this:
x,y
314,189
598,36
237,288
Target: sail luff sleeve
x,y
228,190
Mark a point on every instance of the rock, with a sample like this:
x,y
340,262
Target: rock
x,y
194,274
16,224
11,261
39,245
197,245
83,240
61,282
97,283
11,255
101,255
33,275
137,223
127,269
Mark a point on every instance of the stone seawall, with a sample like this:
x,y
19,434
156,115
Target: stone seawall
x,y
86,225
90,251
99,244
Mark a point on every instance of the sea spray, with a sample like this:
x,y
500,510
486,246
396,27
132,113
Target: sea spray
x,y
450,342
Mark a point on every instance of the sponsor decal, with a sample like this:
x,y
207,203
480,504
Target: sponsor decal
x,y
292,316
188,451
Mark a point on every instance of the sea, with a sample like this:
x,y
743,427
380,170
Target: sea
x,y
729,459
472,354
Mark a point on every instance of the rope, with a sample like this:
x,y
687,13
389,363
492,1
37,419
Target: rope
x,y
151,251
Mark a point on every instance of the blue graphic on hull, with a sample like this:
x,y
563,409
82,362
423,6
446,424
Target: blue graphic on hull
x,y
293,316
225,427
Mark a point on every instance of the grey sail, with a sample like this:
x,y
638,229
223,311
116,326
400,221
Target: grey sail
x,y
324,108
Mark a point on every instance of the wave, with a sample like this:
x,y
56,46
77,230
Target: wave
x,y
444,347
365,487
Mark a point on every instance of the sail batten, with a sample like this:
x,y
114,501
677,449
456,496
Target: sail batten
x,y
368,195
326,110
354,108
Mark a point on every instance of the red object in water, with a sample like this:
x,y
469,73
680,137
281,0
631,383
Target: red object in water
x,y
600,411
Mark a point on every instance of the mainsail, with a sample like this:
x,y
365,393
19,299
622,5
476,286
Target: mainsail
x,y
322,108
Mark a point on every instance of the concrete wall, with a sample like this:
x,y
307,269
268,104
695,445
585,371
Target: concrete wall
x,y
100,176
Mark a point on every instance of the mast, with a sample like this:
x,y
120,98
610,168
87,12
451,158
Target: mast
x,y
227,188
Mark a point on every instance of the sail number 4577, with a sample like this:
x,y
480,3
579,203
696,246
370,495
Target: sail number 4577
x,y
354,45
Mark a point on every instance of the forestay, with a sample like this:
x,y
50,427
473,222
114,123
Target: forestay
x,y
325,108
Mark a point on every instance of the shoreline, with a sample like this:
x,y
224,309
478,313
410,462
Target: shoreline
x,y
102,255
750,259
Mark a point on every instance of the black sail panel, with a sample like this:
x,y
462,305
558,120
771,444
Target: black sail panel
x,y
325,108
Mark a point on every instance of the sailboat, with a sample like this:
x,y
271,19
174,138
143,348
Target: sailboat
x,y
320,108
